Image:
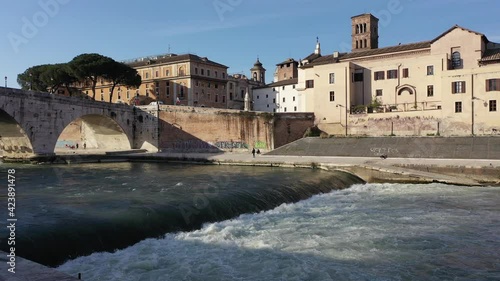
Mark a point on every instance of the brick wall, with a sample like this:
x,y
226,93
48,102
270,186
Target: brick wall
x,y
190,129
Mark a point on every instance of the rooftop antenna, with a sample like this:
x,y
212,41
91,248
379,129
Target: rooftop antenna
x,y
168,48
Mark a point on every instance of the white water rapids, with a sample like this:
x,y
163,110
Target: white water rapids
x,y
366,232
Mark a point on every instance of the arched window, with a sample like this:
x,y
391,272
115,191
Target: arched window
x,y
364,27
366,45
357,44
456,60
255,76
357,29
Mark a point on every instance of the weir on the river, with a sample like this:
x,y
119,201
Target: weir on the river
x,y
69,212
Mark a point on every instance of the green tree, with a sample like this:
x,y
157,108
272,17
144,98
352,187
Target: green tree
x,y
30,79
118,73
89,67
58,75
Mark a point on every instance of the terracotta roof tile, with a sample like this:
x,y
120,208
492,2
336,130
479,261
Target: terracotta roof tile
x,y
312,57
373,52
287,61
491,55
281,83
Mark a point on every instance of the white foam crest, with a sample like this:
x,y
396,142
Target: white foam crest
x,y
369,230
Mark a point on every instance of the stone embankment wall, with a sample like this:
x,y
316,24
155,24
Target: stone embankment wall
x,y
419,123
397,147
195,129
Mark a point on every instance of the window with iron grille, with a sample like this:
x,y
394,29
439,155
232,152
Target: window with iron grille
x,y
309,83
430,90
493,105
458,106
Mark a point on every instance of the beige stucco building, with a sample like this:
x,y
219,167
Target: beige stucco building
x,y
447,86
239,87
173,79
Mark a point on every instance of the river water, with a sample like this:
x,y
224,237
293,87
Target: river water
x,y
183,222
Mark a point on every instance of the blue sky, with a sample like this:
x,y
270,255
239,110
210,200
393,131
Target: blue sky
x,y
231,32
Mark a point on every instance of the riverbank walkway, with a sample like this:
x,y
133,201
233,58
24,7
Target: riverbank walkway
x,y
392,168
405,167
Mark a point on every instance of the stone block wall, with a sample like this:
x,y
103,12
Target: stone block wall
x,y
194,129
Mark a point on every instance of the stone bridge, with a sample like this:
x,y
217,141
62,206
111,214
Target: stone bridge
x,y
32,123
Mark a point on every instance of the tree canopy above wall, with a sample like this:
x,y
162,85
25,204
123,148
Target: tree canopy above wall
x,y
85,69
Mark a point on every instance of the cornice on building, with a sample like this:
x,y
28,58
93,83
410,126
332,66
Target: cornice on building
x,y
167,59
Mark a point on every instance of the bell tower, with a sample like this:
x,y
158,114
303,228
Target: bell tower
x,y
258,72
364,32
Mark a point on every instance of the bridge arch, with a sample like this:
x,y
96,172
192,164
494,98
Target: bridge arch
x,y
14,142
93,132
44,117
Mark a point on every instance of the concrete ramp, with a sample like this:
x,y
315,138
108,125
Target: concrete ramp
x,y
396,147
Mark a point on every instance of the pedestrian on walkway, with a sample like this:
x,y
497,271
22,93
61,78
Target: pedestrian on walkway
x,y
253,152
84,145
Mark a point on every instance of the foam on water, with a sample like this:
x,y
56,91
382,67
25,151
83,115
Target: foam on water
x,y
368,232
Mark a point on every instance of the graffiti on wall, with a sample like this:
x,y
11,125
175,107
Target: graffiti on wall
x,y
379,151
261,145
199,145
188,145
231,145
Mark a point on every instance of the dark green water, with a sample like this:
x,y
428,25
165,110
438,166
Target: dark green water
x,y
69,211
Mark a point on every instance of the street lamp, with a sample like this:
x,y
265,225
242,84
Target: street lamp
x,y
5,81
